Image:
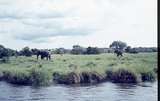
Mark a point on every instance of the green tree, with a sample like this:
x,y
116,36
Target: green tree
x,y
128,48
60,51
78,50
118,45
26,51
4,54
92,50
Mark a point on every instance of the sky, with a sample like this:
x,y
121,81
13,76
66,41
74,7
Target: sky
x,y
64,23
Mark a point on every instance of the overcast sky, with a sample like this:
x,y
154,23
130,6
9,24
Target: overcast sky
x,y
63,23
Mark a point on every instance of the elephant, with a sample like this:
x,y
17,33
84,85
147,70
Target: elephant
x,y
43,54
118,52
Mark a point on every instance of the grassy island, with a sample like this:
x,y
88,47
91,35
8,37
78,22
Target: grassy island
x,y
77,69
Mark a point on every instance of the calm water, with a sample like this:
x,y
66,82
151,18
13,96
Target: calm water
x,y
101,92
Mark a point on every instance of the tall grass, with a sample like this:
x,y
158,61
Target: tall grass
x,y
80,69
40,76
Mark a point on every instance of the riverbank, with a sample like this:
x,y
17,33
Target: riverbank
x,y
77,69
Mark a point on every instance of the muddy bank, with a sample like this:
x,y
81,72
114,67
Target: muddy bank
x,y
118,76
37,77
41,77
77,78
123,76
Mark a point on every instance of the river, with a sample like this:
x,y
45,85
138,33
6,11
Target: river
x,y
100,92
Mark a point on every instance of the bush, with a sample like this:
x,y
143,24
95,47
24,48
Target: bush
x,y
40,76
26,52
35,76
78,50
92,50
60,51
4,60
92,77
148,76
133,50
17,77
1,75
122,75
155,70
78,78
64,78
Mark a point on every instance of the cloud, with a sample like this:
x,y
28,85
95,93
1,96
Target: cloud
x,y
33,29
21,9
87,21
36,19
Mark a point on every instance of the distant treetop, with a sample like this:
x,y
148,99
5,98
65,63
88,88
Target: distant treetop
x,y
118,45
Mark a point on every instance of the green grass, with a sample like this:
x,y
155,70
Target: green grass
x,y
21,69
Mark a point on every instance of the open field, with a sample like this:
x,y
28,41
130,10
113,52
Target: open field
x,y
71,69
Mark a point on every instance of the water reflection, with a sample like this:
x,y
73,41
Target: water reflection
x,y
99,92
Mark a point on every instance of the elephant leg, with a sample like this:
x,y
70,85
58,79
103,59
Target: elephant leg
x,y
119,54
37,57
49,57
42,57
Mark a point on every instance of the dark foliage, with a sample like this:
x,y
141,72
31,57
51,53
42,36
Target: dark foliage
x,y
78,50
118,45
26,52
5,53
131,50
92,50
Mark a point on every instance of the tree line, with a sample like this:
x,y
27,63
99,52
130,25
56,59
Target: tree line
x,y
115,45
5,53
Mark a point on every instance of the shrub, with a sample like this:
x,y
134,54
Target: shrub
x,y
1,75
92,77
17,77
122,75
148,76
61,78
109,73
40,76
77,78
26,52
92,50
4,60
4,52
155,70
78,50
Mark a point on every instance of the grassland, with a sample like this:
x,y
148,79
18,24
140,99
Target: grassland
x,y
71,69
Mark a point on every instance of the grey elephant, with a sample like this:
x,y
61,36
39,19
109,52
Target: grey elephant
x,y
43,54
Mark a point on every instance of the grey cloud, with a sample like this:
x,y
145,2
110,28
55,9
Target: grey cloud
x,y
33,29
39,29
45,35
36,25
18,14
14,10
